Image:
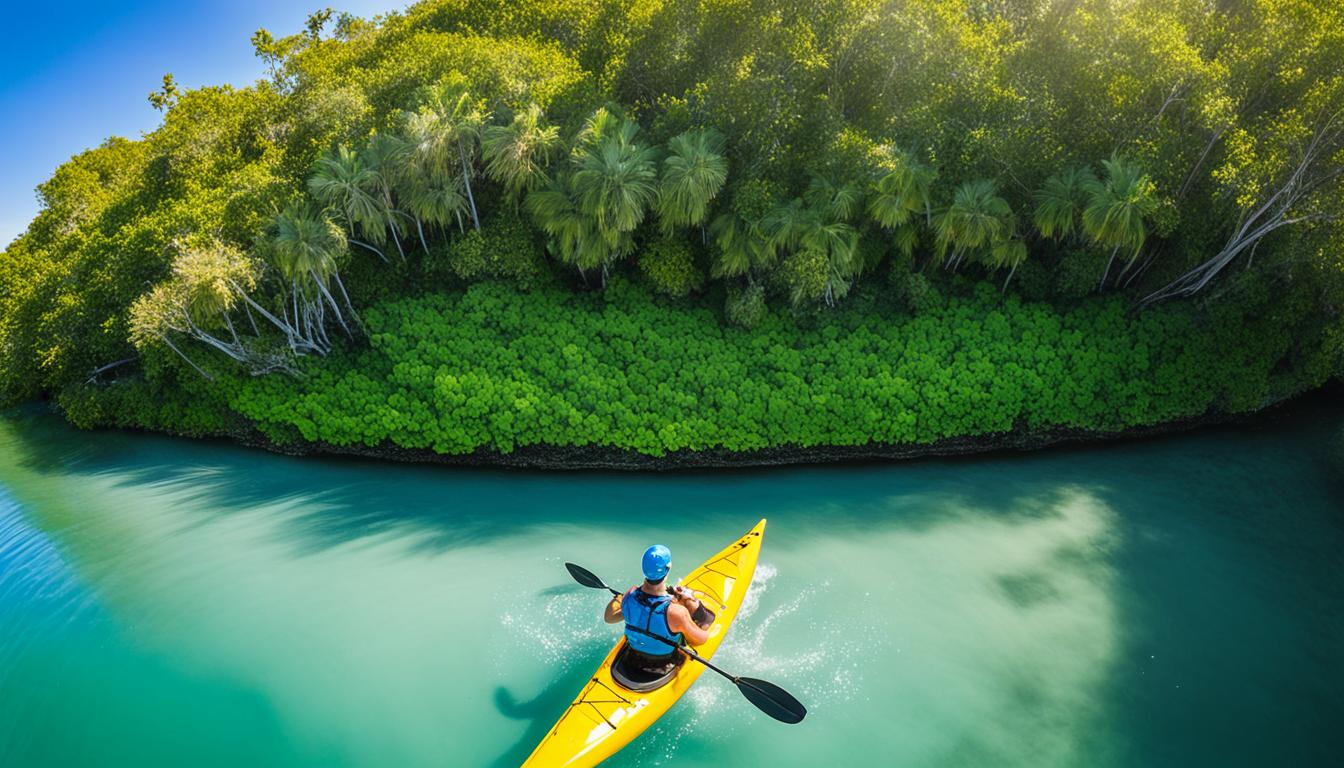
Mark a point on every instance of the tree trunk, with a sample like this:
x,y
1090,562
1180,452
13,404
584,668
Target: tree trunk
x,y
381,255
229,322
1272,214
1190,178
1006,280
284,326
339,318
397,240
350,225
234,353
108,367
466,177
198,368
252,320
1107,273
337,277
294,294
421,229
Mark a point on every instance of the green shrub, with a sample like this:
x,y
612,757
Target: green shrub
x,y
803,275
872,251
669,266
1078,273
369,280
755,198
505,248
918,294
745,305
492,368
1034,281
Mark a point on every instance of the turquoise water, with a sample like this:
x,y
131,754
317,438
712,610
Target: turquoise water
x,y
1167,602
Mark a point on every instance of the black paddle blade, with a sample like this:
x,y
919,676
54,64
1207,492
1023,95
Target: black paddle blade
x,y
585,577
772,700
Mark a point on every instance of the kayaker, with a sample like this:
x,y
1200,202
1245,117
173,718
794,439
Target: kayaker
x,y
650,608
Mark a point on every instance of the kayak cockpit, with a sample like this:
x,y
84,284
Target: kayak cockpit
x,y
629,673
630,670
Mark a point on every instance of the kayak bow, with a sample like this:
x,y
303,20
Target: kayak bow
x,y
605,716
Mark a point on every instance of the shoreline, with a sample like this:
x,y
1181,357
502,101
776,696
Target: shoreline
x,y
545,458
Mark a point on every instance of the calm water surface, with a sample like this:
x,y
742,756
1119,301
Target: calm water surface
x,y
1170,602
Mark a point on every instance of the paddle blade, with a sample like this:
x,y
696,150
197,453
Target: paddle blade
x,y
772,700
586,577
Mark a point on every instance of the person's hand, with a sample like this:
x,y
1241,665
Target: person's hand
x,y
687,598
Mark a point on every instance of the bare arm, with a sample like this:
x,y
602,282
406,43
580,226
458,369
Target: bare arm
x,y
679,620
613,613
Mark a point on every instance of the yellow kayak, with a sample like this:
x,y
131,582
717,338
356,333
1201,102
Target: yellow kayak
x,y
607,715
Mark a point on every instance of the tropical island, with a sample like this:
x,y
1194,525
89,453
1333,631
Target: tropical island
x,y
664,233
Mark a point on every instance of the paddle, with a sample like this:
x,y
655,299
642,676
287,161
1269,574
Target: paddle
x,y
768,697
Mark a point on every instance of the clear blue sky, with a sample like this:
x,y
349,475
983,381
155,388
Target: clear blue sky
x,y
73,74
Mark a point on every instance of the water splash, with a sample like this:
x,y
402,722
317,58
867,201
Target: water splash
x,y
712,709
556,628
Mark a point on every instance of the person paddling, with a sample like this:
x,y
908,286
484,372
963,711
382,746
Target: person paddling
x,y
648,609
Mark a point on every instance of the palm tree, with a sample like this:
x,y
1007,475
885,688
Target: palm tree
x,y
516,155
571,235
614,184
304,249
211,282
388,160
839,243
905,239
1007,252
742,245
602,124
431,148
449,123
1060,202
436,199
785,226
740,232
693,173
902,192
818,225
839,202
342,181
1117,210
977,218
156,314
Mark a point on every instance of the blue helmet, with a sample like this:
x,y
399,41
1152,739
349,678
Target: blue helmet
x,y
657,562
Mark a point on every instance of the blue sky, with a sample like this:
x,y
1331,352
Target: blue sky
x,y
73,74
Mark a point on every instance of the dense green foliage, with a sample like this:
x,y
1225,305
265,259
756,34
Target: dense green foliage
x,y
670,268
503,249
489,368
811,171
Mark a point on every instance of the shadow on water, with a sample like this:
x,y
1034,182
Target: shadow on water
x,y
541,712
333,501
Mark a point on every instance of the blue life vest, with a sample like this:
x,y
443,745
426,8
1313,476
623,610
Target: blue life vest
x,y
649,613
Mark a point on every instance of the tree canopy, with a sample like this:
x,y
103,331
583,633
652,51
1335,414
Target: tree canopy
x,y
796,153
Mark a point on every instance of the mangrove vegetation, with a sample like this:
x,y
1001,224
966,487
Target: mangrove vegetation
x,y
685,225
